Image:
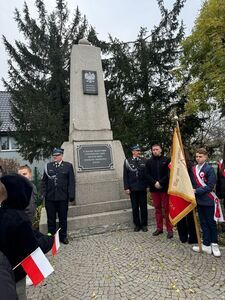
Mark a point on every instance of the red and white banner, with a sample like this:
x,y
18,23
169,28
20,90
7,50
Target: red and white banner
x,y
218,214
181,193
37,266
56,244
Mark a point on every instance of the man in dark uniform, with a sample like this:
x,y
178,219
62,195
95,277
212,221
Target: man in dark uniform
x,y
135,185
58,188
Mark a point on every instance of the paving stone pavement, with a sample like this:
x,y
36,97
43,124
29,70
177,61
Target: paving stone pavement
x,y
126,265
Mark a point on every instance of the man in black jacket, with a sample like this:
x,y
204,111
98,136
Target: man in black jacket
x,y
58,188
157,173
135,185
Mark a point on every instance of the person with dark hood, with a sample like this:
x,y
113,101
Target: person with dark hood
x,y
17,238
7,280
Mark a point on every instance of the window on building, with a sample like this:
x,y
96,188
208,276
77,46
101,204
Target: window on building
x,y
13,143
8,143
4,143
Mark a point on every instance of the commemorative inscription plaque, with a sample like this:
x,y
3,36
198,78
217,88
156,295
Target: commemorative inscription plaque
x,y
94,157
90,83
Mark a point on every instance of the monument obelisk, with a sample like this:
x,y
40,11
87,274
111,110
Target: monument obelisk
x,y
97,158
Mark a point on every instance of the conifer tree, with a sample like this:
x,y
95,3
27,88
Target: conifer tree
x,y
141,87
39,75
142,90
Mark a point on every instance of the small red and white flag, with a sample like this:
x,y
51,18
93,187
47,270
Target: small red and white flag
x,y
56,243
37,266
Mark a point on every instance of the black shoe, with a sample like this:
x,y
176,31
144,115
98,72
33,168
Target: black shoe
x,y
144,228
65,241
170,235
136,229
157,232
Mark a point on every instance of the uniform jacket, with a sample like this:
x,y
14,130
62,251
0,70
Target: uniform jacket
x,y
58,184
208,175
7,280
220,183
157,170
134,174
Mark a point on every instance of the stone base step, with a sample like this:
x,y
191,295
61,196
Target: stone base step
x,y
103,220
94,208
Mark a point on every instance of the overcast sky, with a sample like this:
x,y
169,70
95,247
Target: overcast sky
x,y
120,18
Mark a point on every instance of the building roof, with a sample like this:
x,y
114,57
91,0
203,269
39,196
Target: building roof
x,y
5,113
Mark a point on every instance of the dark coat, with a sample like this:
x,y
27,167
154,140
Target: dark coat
x,y
134,174
208,175
58,184
7,280
157,170
17,239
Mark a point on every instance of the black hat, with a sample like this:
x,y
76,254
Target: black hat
x,y
19,190
136,147
57,151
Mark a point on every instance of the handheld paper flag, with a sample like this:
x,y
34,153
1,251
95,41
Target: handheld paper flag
x,y
37,266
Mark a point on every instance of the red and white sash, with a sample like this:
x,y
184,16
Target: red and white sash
x,y
199,178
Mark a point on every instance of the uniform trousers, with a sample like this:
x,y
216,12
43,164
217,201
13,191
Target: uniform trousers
x,y
208,224
161,202
53,208
139,208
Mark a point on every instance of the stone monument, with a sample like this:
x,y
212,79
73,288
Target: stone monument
x,y
96,157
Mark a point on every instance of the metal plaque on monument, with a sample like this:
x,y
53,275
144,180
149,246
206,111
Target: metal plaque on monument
x,y
90,83
94,157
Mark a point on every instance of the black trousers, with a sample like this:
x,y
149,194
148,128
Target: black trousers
x,y
53,208
208,224
186,229
139,208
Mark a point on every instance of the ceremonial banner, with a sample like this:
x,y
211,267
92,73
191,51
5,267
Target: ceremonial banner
x,y
182,197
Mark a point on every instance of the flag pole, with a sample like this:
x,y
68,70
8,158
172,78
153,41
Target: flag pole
x,y
197,229
18,265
